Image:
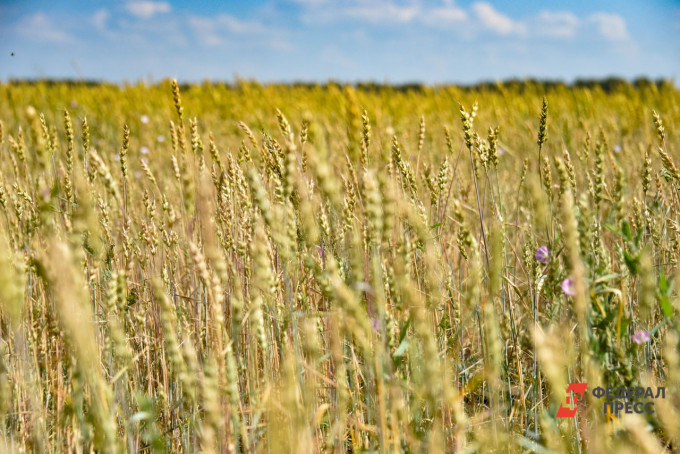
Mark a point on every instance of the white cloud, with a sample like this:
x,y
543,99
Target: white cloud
x,y
211,30
497,22
447,13
374,11
309,2
558,24
147,9
100,18
383,11
610,26
238,26
40,28
481,17
122,31
205,28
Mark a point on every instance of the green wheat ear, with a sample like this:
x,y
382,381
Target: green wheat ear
x,y
543,124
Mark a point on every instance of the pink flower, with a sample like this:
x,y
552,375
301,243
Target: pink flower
x,y
641,337
542,254
568,287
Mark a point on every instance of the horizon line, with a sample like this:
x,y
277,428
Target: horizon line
x,y
236,80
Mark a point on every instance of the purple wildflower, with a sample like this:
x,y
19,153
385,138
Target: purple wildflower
x,y
617,148
321,252
501,151
145,119
568,287
144,150
641,337
542,254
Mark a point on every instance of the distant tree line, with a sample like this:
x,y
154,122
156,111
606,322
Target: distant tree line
x,y
608,85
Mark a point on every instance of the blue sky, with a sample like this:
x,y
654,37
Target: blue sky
x,y
432,41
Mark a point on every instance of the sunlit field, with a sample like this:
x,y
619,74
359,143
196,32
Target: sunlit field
x,y
330,268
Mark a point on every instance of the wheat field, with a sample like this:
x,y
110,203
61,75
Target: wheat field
x,y
331,268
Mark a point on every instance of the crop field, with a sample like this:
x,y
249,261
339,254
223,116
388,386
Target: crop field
x,y
329,268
